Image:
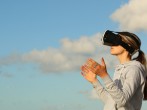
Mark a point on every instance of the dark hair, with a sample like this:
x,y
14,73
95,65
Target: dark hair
x,y
135,42
141,58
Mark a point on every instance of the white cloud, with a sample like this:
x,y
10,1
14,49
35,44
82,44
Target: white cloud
x,y
132,16
69,57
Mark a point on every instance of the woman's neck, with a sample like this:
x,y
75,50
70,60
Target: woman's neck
x,y
123,58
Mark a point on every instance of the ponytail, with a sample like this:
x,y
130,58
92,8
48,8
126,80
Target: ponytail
x,y
142,59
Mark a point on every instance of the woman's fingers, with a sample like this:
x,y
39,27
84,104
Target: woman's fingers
x,y
84,68
82,74
103,62
91,68
91,63
90,76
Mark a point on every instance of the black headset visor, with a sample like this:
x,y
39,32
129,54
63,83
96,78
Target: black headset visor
x,y
111,38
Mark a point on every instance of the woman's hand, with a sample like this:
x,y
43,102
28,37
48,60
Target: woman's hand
x,y
96,68
88,74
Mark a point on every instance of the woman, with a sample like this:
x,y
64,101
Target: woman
x,y
126,90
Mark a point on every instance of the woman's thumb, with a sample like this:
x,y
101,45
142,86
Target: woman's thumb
x,y
103,62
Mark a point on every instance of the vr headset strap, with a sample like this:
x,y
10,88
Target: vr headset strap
x,y
127,47
130,35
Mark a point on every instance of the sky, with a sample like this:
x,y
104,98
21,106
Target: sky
x,y
43,43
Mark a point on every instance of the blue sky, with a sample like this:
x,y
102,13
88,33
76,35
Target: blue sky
x,y
43,43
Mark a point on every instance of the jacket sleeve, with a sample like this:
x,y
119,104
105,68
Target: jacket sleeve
x,y
131,83
100,90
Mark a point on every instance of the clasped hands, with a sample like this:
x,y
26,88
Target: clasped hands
x,y
91,69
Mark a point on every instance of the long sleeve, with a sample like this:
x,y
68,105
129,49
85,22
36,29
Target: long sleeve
x,y
123,95
100,90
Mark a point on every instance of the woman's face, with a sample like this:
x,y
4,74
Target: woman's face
x,y
117,50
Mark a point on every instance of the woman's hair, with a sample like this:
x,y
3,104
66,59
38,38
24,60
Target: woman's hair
x,y
135,43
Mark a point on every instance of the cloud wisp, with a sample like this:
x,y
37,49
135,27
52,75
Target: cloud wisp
x,y
68,57
132,16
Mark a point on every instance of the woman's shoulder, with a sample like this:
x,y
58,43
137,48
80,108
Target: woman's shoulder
x,y
135,67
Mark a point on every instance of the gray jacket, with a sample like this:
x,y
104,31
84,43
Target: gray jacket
x,y
125,91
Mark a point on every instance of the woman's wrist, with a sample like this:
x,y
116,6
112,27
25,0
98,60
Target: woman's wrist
x,y
94,81
105,74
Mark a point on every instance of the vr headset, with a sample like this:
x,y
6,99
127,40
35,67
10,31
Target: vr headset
x,y
111,38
